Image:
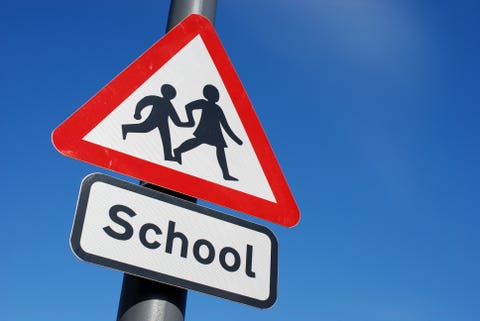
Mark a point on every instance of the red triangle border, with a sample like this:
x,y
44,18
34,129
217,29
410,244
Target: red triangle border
x,y
67,137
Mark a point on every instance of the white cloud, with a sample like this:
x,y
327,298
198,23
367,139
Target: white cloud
x,y
380,33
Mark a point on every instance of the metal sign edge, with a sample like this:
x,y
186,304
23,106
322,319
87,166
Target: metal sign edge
x,y
77,229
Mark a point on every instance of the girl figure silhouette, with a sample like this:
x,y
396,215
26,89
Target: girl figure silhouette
x,y
209,129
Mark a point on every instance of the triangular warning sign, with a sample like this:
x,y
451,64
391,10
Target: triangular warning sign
x,y
179,117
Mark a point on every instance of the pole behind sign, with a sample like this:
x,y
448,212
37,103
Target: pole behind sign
x,y
142,299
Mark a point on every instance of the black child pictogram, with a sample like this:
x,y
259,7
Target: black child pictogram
x,y
162,110
209,129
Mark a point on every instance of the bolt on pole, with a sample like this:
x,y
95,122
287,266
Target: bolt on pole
x,y
142,299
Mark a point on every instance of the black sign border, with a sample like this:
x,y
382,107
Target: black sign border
x,y
160,277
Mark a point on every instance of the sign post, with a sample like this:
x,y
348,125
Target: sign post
x,y
179,120
142,299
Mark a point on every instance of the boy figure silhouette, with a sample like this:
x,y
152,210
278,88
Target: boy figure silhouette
x,y
162,110
209,129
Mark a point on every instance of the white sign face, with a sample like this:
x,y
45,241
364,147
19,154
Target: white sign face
x,y
156,236
186,73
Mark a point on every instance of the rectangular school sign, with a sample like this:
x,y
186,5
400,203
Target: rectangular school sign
x,y
156,236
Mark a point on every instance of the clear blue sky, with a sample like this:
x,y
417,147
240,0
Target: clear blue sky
x,y
372,109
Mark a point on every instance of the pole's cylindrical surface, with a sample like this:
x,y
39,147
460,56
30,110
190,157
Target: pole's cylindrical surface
x,y
141,299
180,9
145,300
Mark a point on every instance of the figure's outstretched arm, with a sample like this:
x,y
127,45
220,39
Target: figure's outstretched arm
x,y
189,108
228,130
144,102
176,119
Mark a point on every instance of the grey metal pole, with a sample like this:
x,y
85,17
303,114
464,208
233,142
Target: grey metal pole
x,y
180,9
141,299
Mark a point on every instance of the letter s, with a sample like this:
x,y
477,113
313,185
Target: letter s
x,y
114,210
